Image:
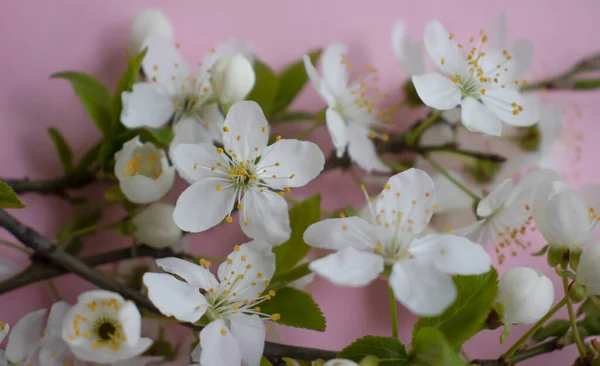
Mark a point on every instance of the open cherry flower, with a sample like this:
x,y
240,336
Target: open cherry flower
x,y
421,265
246,171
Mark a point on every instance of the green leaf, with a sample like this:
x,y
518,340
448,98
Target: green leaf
x,y
467,315
297,309
389,350
162,137
291,81
302,215
555,328
90,157
114,194
431,348
542,251
78,223
265,87
126,82
65,154
265,362
587,84
110,147
93,96
8,197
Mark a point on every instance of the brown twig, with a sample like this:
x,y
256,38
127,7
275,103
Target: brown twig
x,y
56,186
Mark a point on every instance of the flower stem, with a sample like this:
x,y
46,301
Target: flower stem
x,y
54,290
295,116
89,230
15,246
443,171
394,312
534,328
412,137
573,318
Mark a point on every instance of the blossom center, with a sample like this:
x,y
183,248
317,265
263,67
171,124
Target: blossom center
x,y
144,162
99,323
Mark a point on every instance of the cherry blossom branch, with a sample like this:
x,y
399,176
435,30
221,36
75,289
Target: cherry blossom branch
x,y
566,80
65,263
56,186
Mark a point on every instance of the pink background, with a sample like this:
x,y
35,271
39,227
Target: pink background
x,y
42,37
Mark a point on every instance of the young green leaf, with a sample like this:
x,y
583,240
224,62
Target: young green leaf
x,y
265,87
431,348
162,137
556,328
126,82
8,197
265,362
296,308
467,315
90,157
65,154
291,81
302,215
389,350
114,194
93,96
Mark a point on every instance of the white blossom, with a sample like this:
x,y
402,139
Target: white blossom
x,y
233,78
421,265
103,327
351,108
478,81
246,171
588,270
521,50
340,362
155,227
526,295
408,51
143,171
146,23
236,331
24,340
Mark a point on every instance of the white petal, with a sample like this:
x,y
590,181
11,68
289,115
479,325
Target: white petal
x,y
498,33
362,149
335,70
233,78
201,206
124,353
564,220
25,336
281,160
590,195
189,130
479,232
588,271
154,226
4,329
147,105
437,91
452,254
212,115
141,189
443,51
551,126
526,294
144,24
422,289
476,117
409,197
219,346
340,362
249,331
163,61
193,274
336,234
265,216
226,49
312,73
408,51
175,298
497,197
58,312
131,320
500,102
349,267
8,268
195,161
338,130
246,120
522,52
450,197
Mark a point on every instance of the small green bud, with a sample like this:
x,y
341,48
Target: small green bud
x,y
369,361
114,194
577,293
126,228
574,257
483,171
555,256
411,97
530,140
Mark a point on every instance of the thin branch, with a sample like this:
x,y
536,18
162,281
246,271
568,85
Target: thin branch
x,y
46,249
56,186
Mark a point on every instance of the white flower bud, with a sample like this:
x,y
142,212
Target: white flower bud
x,y
340,362
146,23
155,226
143,171
527,295
588,270
233,78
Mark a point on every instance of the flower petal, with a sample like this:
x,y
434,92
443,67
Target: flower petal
x,y
362,149
131,320
163,61
281,160
226,49
189,130
265,216
175,298
338,130
479,232
247,121
522,52
219,346
335,69
349,267
337,234
233,78
476,117
194,162
452,254
450,197
25,336
588,271
443,51
437,91
421,288
503,102
193,274
250,332
203,205
340,362
148,104
564,220
408,51
497,197
498,33
8,268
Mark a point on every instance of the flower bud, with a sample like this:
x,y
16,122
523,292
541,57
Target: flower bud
x,y
526,294
143,171
233,78
155,226
146,23
588,270
340,362
574,258
555,256
577,293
